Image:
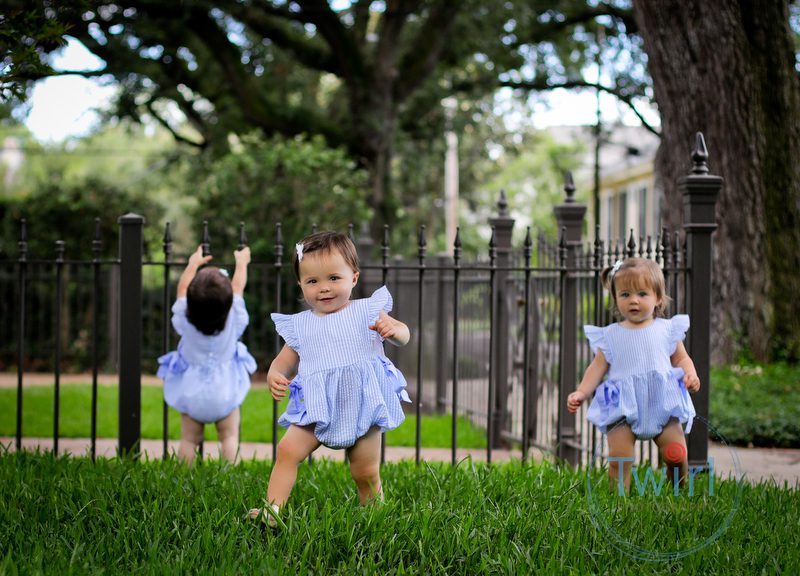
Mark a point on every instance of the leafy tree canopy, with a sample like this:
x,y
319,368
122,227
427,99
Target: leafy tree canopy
x,y
29,31
362,74
300,183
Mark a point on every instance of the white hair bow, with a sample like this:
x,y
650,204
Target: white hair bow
x,y
617,266
299,249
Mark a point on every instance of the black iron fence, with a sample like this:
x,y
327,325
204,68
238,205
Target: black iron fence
x,y
497,340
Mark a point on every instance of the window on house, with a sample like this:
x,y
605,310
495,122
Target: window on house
x,y
609,214
622,212
643,212
658,206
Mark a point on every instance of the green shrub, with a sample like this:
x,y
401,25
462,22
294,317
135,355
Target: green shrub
x,y
757,405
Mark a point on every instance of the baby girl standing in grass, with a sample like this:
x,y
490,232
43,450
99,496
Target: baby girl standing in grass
x,y
343,390
207,378
647,371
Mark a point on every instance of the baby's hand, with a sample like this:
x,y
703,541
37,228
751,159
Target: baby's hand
x,y
385,325
242,256
278,383
575,400
691,381
197,259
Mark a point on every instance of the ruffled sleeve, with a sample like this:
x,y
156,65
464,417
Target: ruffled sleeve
x,y
179,320
597,341
381,299
679,325
240,316
284,324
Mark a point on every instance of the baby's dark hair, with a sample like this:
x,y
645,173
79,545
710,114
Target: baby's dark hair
x,y
636,273
208,300
327,242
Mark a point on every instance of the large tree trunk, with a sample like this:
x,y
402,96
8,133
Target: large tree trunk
x,y
727,70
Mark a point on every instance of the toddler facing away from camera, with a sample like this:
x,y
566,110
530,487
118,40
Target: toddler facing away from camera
x,y
207,378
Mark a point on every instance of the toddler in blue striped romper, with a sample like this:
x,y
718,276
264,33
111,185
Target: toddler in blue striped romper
x,y
343,390
648,371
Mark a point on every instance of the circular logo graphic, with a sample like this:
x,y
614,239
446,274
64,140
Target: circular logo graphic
x,y
674,452
663,515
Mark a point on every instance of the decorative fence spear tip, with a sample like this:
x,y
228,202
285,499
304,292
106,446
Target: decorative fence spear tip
x,y
242,236
502,204
700,155
569,187
206,243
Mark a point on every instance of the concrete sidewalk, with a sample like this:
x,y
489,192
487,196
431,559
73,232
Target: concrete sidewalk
x,y
756,464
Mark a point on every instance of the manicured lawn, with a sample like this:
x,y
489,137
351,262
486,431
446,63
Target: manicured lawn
x,y
750,404
75,419
65,516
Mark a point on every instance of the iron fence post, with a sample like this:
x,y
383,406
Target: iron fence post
x,y
569,216
501,325
365,246
442,333
130,333
699,190
165,316
23,270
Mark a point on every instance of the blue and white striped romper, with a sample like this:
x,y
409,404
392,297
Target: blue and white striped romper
x,y
345,384
641,386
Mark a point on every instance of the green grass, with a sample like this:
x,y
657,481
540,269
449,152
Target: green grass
x,y
69,516
76,403
757,404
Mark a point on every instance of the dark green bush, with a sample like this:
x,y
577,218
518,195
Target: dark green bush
x,y
757,405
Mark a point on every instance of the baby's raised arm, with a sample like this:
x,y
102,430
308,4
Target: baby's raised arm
x,y
239,280
282,369
681,359
391,329
591,380
195,261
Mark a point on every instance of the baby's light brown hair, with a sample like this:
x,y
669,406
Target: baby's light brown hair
x,y
327,242
634,273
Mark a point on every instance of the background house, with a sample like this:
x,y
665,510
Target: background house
x,y
628,196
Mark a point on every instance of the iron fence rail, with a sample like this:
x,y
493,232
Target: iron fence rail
x,y
495,340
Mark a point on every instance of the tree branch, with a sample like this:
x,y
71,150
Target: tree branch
x,y
543,85
265,21
361,13
344,49
425,50
583,13
151,109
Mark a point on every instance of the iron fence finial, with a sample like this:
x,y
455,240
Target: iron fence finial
x,y
569,188
206,243
97,243
278,245
23,240
242,236
502,204
700,155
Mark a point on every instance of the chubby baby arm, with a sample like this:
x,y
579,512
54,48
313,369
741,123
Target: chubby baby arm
x,y
391,329
239,281
195,261
591,380
681,359
575,400
281,371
